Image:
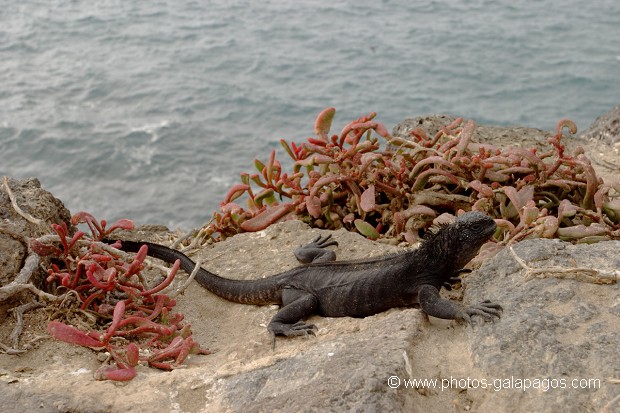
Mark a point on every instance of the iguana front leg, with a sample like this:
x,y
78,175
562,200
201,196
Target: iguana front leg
x,y
315,250
432,304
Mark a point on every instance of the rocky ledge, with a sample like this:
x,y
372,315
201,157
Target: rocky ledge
x,y
555,347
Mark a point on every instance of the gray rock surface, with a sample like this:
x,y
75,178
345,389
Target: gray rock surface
x,y
495,135
605,128
555,329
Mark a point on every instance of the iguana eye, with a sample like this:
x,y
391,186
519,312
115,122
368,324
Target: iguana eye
x,y
476,228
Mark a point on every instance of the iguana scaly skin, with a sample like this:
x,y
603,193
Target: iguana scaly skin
x,y
357,288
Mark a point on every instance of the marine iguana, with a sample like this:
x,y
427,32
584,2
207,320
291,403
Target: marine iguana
x,y
356,288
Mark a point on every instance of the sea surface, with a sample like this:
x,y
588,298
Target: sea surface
x,y
150,110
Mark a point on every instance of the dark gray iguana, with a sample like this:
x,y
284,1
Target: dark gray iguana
x,y
356,288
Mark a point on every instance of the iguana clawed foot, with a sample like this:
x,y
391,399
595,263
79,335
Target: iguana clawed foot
x,y
486,309
300,328
315,251
321,242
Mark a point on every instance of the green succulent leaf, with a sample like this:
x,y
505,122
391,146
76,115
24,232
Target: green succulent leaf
x,y
366,229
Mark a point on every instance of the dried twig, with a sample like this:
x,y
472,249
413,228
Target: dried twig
x,y
51,238
609,407
9,350
16,207
186,284
196,241
182,238
11,289
22,282
19,324
30,265
580,274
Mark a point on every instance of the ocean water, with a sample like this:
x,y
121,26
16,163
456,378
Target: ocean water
x,y
150,110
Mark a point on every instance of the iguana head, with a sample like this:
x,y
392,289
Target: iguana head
x,y
468,233
454,245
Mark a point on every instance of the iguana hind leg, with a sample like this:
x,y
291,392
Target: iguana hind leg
x,y
296,304
315,250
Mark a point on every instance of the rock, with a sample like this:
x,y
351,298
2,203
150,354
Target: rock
x,y
34,200
345,367
11,259
605,128
431,124
553,330
39,209
494,135
15,229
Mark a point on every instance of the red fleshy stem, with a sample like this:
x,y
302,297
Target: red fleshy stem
x,y
119,310
166,282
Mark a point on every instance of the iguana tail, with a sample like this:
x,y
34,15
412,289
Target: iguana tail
x,y
257,292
